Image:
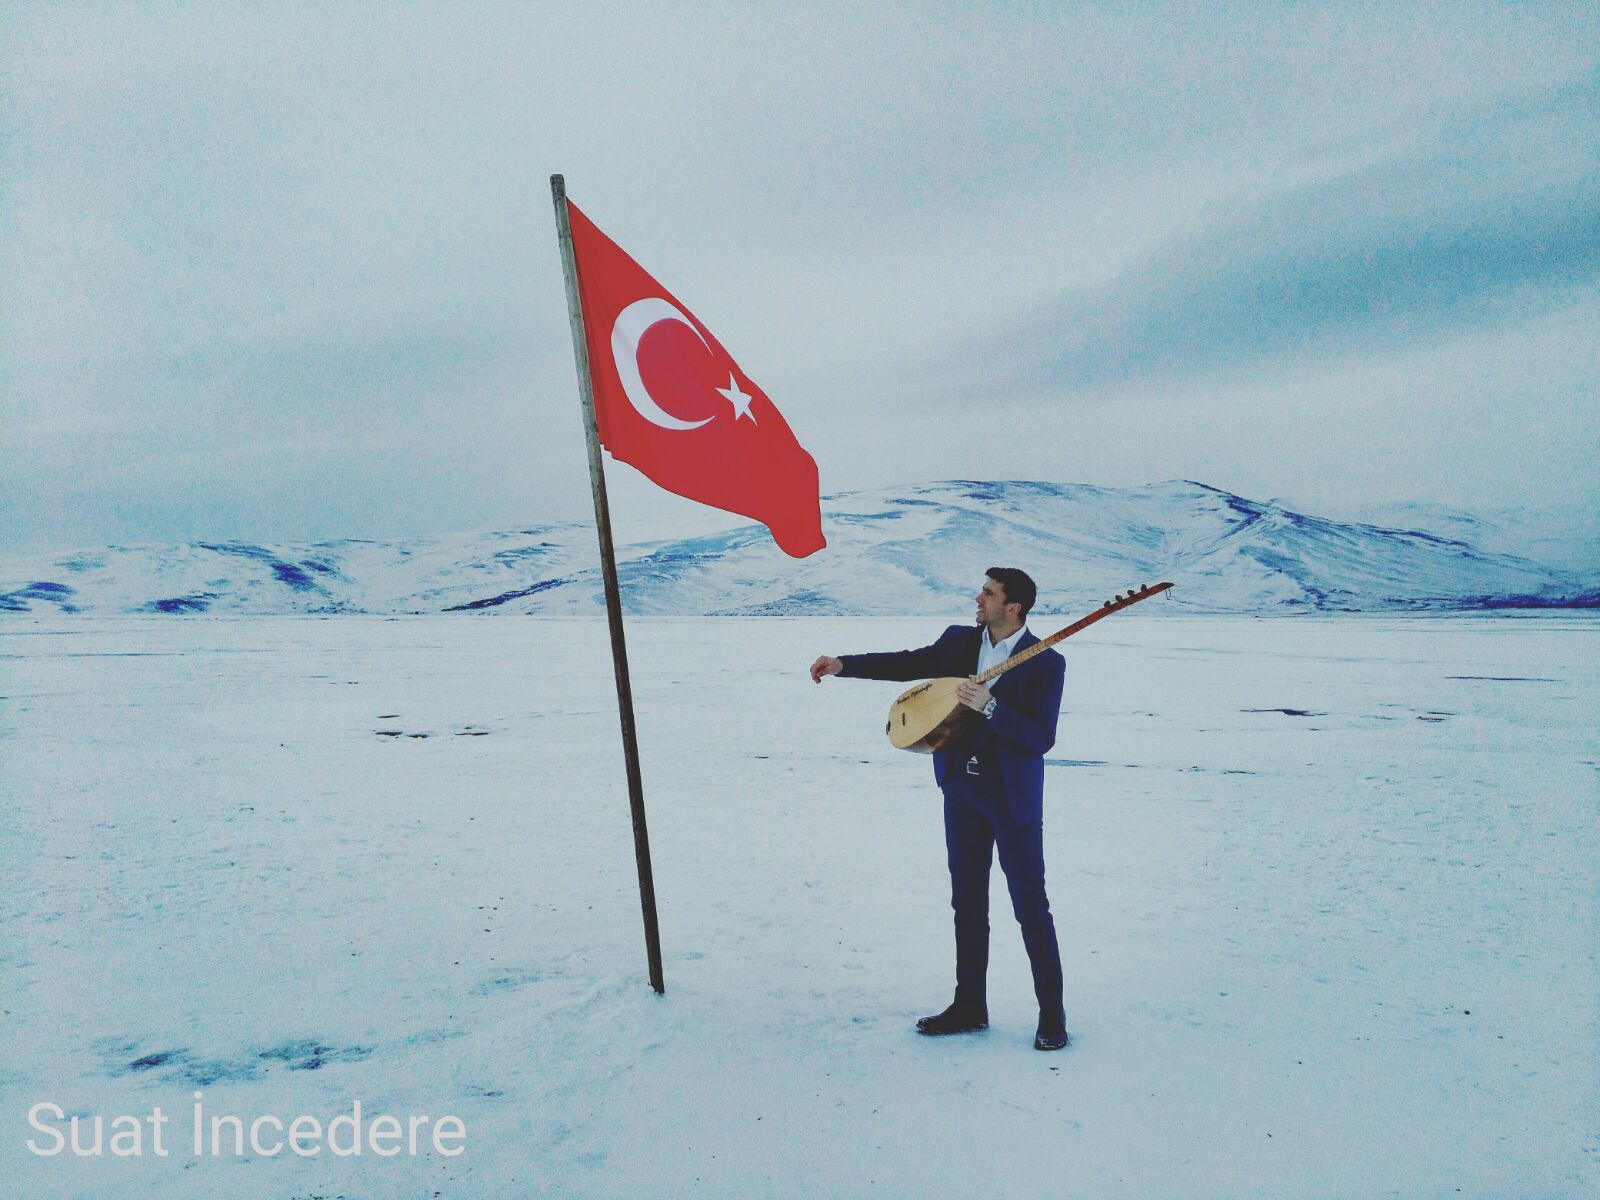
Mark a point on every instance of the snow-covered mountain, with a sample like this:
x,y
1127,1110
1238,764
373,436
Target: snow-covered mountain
x,y
1565,538
905,550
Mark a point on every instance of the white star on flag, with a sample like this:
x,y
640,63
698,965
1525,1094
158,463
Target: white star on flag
x,y
740,400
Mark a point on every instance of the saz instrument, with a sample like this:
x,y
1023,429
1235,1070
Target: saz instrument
x,y
929,717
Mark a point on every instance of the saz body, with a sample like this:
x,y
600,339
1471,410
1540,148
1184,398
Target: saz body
x,y
928,717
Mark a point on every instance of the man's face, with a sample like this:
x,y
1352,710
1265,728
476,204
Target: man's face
x,y
991,603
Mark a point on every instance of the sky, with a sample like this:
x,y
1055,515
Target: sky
x,y
289,272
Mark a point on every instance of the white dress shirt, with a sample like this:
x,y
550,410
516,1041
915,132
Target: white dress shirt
x,y
993,656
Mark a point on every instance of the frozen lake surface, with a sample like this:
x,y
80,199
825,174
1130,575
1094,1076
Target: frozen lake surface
x,y
1328,893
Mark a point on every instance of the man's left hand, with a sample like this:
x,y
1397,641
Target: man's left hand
x,y
973,695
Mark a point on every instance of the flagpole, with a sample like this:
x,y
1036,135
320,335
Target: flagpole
x,y
608,570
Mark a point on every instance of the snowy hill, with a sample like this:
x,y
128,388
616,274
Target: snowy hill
x,y
917,549
1563,538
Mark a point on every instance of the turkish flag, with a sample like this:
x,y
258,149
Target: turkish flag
x,y
671,401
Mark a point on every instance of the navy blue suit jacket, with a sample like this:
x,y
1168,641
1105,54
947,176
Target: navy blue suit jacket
x,y
1027,703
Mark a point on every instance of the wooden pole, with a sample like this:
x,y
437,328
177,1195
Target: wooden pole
x,y
608,570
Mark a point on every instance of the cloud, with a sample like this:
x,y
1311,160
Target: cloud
x,y
292,273
1495,219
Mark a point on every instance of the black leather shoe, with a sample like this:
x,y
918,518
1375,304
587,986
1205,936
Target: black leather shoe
x,y
1051,1039
954,1019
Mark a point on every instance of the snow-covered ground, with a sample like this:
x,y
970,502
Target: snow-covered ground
x,y
1327,892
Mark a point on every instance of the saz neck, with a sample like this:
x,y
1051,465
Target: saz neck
x,y
1043,644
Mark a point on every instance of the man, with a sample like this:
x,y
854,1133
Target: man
x,y
993,786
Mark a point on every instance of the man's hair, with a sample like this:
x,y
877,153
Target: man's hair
x,y
1018,587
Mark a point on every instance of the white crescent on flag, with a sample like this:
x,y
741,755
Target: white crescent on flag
x,y
626,333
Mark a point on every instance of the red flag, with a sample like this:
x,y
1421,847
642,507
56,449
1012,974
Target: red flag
x,y
671,401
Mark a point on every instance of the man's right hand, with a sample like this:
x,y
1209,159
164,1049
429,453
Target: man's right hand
x,y
825,666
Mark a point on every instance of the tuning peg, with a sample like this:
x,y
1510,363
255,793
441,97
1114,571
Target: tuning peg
x,y
1107,604
1144,589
